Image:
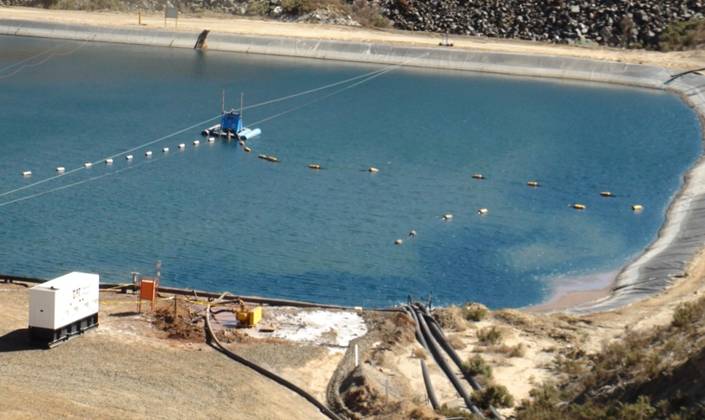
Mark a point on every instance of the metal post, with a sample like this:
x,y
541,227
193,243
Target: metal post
x,y
158,271
242,104
157,278
386,389
357,356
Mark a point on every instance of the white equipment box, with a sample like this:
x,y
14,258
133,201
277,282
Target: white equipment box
x,y
63,307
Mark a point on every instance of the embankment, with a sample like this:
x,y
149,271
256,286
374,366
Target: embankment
x,y
683,233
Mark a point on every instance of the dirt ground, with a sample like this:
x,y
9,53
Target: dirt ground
x,y
127,369
546,336
230,24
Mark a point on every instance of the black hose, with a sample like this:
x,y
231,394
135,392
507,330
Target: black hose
x,y
429,386
213,341
441,339
419,336
441,362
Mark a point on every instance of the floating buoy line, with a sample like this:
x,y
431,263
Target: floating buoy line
x,y
362,78
62,172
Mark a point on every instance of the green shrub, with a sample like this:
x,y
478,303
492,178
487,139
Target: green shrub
x,y
91,5
455,412
369,14
686,314
476,365
493,395
489,335
299,7
640,410
683,35
475,312
258,8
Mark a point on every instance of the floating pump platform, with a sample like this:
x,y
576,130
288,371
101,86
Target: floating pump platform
x,y
231,125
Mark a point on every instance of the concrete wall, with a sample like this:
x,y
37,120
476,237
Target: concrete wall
x,y
682,235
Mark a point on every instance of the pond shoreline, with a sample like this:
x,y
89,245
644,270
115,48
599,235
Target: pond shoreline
x,y
667,258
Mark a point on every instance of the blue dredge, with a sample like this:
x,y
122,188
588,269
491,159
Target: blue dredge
x,y
231,124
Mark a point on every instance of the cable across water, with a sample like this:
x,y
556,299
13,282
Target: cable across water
x,y
9,66
365,78
83,181
42,61
206,121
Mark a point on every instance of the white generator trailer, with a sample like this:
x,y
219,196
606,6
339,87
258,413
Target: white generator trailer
x,y
63,307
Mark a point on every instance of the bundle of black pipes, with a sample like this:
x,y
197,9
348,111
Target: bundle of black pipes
x,y
431,337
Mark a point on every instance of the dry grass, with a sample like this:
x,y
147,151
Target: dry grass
x,y
511,351
493,395
455,412
456,342
451,318
490,335
475,366
369,14
419,353
422,412
475,311
640,375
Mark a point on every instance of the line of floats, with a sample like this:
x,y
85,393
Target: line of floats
x,y
317,166
446,217
636,208
231,126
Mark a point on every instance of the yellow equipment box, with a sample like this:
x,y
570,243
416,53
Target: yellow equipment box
x,y
249,317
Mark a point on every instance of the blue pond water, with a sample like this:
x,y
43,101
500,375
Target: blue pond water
x,y
221,219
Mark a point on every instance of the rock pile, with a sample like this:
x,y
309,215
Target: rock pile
x,y
624,23
620,23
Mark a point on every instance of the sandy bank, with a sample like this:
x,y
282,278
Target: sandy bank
x,y
664,261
